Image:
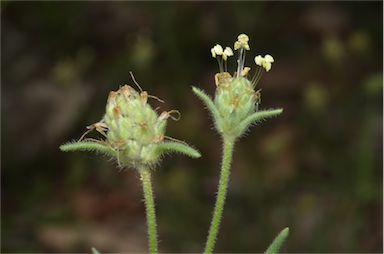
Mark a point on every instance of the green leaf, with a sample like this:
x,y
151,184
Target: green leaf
x,y
277,242
208,103
178,147
88,146
257,117
94,251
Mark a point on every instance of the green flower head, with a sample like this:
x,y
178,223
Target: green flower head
x,y
134,132
236,103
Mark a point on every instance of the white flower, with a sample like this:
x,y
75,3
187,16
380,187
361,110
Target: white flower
x,y
265,62
227,53
242,42
217,50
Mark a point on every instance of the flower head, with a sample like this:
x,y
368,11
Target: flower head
x,y
135,129
236,103
134,132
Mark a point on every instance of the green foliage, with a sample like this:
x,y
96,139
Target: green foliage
x,y
177,147
256,118
94,251
88,146
277,242
234,110
208,103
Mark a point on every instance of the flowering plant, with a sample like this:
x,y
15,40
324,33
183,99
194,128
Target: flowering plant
x,y
134,134
234,109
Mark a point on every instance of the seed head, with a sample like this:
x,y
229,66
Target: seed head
x,y
134,132
134,128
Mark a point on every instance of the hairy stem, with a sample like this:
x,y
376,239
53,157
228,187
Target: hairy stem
x,y
145,176
221,195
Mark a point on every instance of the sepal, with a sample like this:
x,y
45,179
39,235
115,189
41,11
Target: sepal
x,y
88,146
277,242
94,251
178,147
208,103
257,117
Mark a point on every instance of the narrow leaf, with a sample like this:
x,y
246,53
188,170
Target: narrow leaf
x,y
177,147
88,146
207,101
277,242
257,117
94,251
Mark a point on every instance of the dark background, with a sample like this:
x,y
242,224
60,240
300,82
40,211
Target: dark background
x,y
317,168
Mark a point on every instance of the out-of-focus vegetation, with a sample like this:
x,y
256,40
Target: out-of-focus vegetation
x,y
316,169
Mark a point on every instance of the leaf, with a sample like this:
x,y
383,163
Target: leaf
x,y
208,103
88,146
94,251
177,147
278,241
257,117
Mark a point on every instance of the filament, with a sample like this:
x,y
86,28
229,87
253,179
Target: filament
x,y
134,81
177,118
176,140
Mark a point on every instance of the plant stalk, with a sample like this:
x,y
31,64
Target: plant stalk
x,y
145,176
221,195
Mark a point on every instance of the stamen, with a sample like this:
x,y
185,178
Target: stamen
x,y
240,62
220,63
177,118
258,99
156,98
256,78
134,81
84,134
176,140
259,76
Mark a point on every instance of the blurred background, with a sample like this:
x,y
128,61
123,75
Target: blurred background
x,y
317,168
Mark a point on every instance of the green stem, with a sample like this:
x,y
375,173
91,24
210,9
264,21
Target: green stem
x,y
145,176
221,194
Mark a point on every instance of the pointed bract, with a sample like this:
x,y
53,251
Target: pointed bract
x,y
177,147
277,242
